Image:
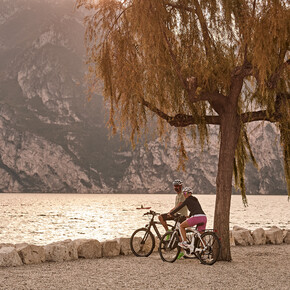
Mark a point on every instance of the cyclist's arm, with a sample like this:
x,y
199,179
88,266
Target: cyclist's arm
x,y
177,208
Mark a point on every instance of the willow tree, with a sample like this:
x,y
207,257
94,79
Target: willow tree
x,y
192,64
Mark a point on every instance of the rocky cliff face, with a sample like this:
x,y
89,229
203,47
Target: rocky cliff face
x,y
153,170
52,139
31,163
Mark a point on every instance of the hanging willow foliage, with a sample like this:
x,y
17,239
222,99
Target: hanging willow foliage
x,y
189,62
242,155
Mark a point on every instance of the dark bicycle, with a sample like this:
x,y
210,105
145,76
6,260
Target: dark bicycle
x,y
142,241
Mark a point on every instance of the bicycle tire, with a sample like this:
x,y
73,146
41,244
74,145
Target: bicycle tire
x,y
142,242
213,246
168,247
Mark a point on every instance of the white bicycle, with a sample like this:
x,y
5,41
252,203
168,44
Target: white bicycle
x,y
205,246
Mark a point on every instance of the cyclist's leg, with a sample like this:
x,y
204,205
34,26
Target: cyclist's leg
x,y
163,218
183,226
200,221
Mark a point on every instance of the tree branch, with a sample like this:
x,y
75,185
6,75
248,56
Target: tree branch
x,y
263,115
183,120
155,110
180,120
272,83
204,29
177,66
202,21
258,116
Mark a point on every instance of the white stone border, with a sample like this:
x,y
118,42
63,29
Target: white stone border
x,y
19,254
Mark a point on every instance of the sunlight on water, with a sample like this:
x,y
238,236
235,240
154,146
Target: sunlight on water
x,y
46,218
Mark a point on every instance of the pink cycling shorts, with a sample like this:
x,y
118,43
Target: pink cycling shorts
x,y
194,220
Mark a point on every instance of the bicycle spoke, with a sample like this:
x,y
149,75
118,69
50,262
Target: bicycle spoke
x,y
208,248
168,248
142,242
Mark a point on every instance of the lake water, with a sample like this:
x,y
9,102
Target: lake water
x,y
44,218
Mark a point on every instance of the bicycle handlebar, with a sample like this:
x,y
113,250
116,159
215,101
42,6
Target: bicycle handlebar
x,y
151,212
177,216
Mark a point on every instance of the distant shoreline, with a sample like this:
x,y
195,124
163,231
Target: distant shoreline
x,y
99,193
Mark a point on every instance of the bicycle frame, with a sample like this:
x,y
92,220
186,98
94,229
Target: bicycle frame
x,y
153,224
175,231
147,236
197,235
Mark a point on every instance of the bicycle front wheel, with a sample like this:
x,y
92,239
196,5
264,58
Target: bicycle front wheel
x,y
142,242
168,247
208,249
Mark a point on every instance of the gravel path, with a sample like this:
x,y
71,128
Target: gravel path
x,y
256,267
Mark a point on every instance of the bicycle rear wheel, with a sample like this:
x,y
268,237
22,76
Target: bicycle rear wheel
x,y
168,247
210,253
142,242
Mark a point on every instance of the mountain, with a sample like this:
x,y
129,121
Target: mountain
x,y
153,170
53,139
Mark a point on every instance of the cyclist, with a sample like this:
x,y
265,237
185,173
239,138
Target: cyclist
x,y
197,215
179,199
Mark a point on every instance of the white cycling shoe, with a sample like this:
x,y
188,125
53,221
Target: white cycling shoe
x,y
183,245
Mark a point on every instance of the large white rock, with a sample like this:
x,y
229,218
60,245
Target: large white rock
x,y
238,228
31,254
61,251
136,243
145,247
125,248
9,257
19,245
5,245
259,236
286,238
242,237
88,248
274,236
110,248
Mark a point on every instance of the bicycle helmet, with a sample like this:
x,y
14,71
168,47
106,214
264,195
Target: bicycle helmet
x,y
187,189
177,182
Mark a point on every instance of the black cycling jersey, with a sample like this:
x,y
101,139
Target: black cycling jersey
x,y
192,204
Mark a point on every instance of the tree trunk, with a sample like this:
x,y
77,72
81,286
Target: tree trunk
x,y
229,128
